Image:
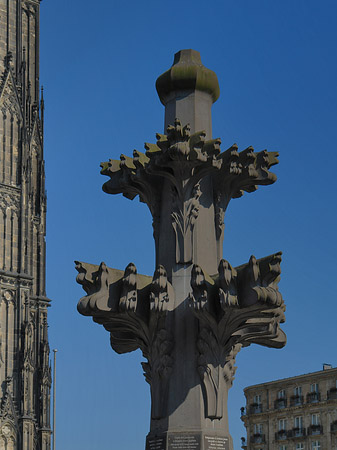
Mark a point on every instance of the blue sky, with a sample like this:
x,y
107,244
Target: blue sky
x,y
277,68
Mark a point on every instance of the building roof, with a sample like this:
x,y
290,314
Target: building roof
x,y
325,372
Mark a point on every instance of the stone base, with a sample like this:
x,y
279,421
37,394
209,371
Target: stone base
x,y
188,441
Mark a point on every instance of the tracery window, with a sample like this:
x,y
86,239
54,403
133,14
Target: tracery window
x,y
7,440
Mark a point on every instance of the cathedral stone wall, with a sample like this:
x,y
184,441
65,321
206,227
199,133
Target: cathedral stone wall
x,y
25,374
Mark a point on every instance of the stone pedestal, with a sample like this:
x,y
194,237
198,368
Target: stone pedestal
x,y
188,441
197,311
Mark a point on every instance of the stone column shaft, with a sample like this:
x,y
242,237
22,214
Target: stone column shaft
x,y
192,106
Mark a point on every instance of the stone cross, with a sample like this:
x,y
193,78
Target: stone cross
x,y
197,311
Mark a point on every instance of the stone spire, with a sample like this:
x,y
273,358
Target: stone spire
x,y
197,311
25,377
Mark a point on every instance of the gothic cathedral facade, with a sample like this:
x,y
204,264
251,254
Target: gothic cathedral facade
x,y
25,373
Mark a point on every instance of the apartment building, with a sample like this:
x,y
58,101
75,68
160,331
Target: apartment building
x,y
297,413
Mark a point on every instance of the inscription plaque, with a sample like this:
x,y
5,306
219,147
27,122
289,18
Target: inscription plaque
x,y
156,443
184,442
216,443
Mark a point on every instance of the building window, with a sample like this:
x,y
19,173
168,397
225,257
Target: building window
x,y
297,398
316,445
333,427
281,400
282,447
257,399
282,393
315,427
282,424
314,387
314,395
300,446
298,422
298,426
298,391
258,437
332,392
256,406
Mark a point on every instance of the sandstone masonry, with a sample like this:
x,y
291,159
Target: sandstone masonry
x,y
25,375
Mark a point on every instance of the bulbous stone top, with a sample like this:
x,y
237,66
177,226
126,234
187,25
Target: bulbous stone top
x,y
187,73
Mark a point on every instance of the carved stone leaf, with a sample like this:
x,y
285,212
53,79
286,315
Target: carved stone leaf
x,y
158,368
227,285
97,288
243,306
199,299
128,299
184,214
159,295
133,309
258,281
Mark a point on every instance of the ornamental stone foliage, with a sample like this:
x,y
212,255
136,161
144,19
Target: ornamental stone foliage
x,y
197,311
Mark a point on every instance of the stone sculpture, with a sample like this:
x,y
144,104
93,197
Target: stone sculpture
x,y
197,311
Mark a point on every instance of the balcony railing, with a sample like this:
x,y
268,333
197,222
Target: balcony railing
x,y
313,397
255,408
296,432
257,438
315,429
332,394
281,435
291,434
296,400
280,403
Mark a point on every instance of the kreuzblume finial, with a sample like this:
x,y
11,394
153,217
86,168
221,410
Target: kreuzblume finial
x,y
197,311
187,73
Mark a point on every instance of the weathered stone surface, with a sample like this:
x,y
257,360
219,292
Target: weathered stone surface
x,y
169,179
25,375
188,90
187,74
187,441
197,311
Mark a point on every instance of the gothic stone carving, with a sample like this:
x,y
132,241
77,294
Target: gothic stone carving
x,y
235,308
187,183
8,415
238,307
184,159
9,200
20,114
133,308
9,99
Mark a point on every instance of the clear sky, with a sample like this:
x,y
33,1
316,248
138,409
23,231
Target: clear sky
x,y
277,68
